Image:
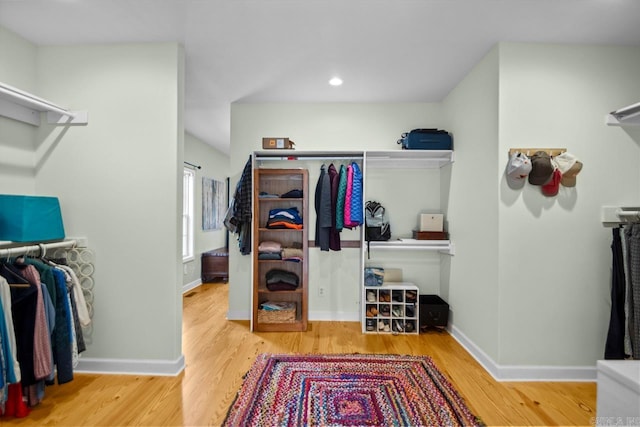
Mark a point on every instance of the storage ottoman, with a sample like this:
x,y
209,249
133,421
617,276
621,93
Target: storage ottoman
x,y
214,264
30,218
434,312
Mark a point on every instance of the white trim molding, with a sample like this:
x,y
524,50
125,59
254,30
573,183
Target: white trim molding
x,y
523,372
90,365
332,316
238,315
186,288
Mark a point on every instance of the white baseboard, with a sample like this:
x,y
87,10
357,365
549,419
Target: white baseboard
x,y
90,365
186,288
523,372
334,316
238,315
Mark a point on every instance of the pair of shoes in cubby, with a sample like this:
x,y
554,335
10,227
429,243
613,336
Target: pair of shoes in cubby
x,y
370,325
383,326
398,326
384,297
408,327
371,296
397,311
410,311
372,312
385,310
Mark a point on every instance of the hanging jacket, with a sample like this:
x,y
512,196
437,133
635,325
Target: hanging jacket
x,y
238,217
356,196
342,193
334,234
323,210
347,199
10,351
61,337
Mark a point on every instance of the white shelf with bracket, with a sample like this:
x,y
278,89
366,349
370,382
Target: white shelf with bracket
x,y
414,159
442,246
626,116
613,216
25,107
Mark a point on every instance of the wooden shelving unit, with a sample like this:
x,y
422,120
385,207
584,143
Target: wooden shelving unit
x,y
275,183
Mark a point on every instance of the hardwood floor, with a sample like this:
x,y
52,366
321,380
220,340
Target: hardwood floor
x,y
219,352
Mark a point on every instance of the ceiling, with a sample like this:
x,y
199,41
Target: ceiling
x,y
287,50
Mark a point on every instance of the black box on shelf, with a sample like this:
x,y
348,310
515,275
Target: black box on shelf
x,y
434,311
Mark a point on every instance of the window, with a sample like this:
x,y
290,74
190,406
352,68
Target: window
x,y
188,192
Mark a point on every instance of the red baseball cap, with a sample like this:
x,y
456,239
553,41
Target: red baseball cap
x,y
552,187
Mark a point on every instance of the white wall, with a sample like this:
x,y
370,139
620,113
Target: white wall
x,y
119,180
214,164
322,127
17,69
555,254
470,278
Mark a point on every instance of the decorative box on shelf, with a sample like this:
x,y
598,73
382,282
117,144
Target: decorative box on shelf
x,y
430,235
431,222
30,218
279,143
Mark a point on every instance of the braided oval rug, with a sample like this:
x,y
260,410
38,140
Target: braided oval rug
x,y
347,390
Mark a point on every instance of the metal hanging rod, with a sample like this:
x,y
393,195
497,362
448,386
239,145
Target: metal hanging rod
x,y
192,165
309,158
40,247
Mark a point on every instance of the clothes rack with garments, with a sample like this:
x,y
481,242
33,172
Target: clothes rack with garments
x,y
623,336
44,314
338,203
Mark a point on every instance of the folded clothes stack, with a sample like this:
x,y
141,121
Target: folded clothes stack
x,y
285,218
269,250
282,280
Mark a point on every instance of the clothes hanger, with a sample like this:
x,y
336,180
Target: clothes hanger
x,y
17,281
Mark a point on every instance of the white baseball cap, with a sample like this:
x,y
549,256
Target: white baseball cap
x,y
569,166
518,169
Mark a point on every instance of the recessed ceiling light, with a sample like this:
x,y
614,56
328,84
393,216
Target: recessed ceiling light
x,y
335,81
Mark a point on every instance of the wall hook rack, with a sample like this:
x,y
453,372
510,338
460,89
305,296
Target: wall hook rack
x,y
531,151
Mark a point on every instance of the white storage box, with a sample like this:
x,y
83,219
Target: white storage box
x,y
431,222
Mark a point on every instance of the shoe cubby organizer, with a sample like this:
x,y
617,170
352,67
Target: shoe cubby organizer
x,y
392,309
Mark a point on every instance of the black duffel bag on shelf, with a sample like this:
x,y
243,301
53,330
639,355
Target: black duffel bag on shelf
x,y
426,139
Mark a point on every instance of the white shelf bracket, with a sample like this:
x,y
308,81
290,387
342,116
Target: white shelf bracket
x,y
613,216
25,107
451,251
626,116
73,118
